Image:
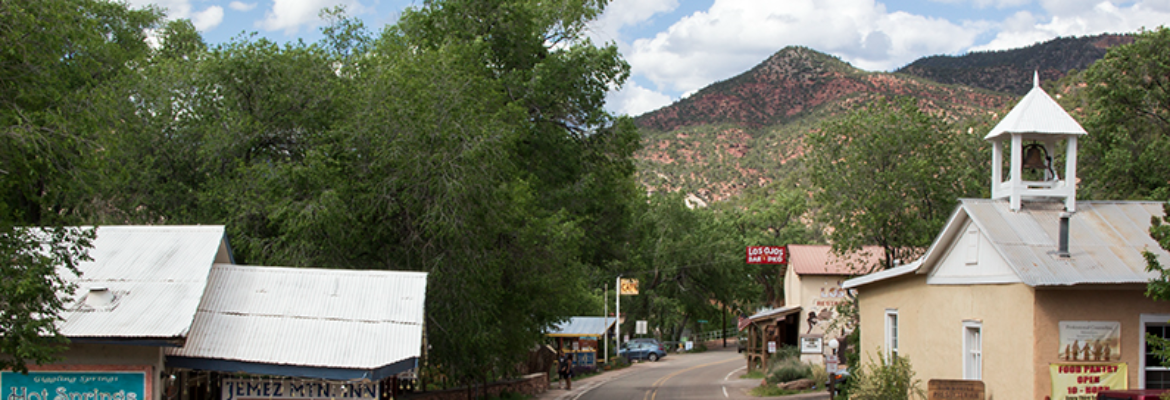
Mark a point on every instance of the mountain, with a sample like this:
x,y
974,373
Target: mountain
x,y
745,131
1011,71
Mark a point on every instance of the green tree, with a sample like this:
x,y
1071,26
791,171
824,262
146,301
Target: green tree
x,y
769,216
1127,152
889,174
1159,287
53,53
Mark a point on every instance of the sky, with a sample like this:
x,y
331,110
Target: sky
x,y
676,47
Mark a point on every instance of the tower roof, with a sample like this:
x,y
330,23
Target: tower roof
x,y
1037,113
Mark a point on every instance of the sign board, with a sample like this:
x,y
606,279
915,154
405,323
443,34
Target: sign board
x,y
689,346
1090,341
1083,381
953,389
640,327
811,344
767,255
832,363
702,321
44,385
256,389
771,347
629,286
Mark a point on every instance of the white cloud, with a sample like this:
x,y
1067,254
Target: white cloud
x,y
291,15
988,3
734,35
622,13
635,100
207,19
204,20
1078,18
241,6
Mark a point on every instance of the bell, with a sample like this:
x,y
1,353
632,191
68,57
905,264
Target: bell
x,y
1035,157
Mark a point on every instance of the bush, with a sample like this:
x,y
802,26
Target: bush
x,y
886,380
789,372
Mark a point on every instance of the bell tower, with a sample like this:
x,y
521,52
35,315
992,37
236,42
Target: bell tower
x,y
1038,120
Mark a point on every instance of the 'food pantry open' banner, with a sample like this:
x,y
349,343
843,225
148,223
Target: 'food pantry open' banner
x,y
1083,381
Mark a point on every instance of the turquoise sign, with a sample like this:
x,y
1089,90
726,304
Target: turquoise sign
x,y
73,386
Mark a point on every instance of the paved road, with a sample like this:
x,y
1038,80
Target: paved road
x,y
710,375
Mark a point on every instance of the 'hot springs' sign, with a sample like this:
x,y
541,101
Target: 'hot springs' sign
x,y
244,389
73,386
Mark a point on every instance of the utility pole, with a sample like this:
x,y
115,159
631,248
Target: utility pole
x,y
617,333
605,316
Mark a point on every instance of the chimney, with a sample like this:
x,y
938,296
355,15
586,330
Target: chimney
x,y
1062,249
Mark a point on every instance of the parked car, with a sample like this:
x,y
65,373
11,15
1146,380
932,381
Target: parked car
x,y
1136,394
643,349
742,341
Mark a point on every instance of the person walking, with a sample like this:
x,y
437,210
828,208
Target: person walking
x,y
565,370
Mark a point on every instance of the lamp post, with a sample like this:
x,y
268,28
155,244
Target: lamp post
x,y
833,345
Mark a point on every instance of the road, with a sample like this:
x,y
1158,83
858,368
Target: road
x,y
713,374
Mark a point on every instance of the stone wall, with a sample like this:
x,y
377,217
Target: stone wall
x,y
531,384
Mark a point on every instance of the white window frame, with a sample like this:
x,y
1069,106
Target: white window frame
x,y
1146,319
972,354
893,333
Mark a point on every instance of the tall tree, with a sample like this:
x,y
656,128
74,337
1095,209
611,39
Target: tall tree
x,y
769,216
1127,152
54,52
889,174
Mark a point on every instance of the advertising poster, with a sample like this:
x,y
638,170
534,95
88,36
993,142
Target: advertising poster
x,y
1090,340
1083,381
73,385
244,389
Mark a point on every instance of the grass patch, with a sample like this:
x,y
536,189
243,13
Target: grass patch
x,y
757,374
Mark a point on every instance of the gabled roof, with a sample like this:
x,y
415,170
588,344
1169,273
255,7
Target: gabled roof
x,y
1106,239
1037,113
156,275
812,259
583,326
321,323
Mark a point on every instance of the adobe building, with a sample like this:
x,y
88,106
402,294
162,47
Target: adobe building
x,y
162,312
1033,293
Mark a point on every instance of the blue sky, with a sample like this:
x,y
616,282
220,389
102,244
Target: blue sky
x,y
676,47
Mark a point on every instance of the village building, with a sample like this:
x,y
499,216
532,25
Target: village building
x,y
813,288
1033,293
162,312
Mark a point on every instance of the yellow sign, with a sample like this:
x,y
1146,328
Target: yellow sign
x,y
629,286
1083,381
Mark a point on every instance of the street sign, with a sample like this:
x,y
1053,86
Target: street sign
x,y
702,321
640,327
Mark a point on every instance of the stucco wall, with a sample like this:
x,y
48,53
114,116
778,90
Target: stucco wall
x,y
931,323
1098,303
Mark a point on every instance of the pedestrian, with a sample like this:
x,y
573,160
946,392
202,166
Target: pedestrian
x,y
565,370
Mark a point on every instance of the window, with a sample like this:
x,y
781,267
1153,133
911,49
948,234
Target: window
x,y
972,239
972,350
891,333
1154,375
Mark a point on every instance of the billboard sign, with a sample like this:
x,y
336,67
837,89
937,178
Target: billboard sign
x,y
46,385
244,389
767,255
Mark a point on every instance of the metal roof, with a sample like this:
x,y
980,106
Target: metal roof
x,y
583,326
773,313
820,260
1037,113
882,275
157,275
1106,239
327,319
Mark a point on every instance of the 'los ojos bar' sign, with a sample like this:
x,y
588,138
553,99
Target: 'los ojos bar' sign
x,y
245,389
767,255
73,386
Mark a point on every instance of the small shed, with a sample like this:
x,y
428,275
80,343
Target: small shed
x,y
580,336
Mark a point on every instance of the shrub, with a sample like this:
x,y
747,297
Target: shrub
x,y
886,380
789,372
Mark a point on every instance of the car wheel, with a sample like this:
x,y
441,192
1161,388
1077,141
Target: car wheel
x,y
653,357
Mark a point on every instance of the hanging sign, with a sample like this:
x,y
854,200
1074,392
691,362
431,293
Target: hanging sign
x,y
244,389
1090,341
767,255
629,286
74,385
1083,381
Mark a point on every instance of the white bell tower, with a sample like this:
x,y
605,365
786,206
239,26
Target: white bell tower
x,y
1042,122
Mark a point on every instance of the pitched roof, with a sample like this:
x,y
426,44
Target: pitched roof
x,y
812,259
1037,113
156,275
1106,239
583,326
327,323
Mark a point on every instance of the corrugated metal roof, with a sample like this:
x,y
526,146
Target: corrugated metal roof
x,y
308,317
157,275
1037,113
583,326
882,275
820,260
773,313
1106,239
